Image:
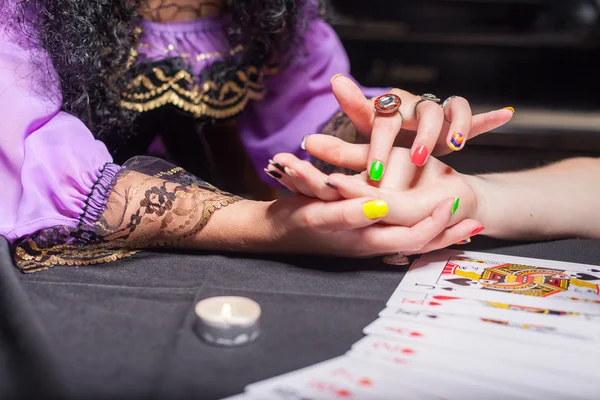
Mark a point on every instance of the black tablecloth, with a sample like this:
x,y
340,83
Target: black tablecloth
x,y
124,329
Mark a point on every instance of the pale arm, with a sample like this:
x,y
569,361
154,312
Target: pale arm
x,y
555,201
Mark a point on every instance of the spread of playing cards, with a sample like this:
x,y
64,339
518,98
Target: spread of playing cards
x,y
467,325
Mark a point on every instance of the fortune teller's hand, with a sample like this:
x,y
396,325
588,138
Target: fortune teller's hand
x,y
412,193
415,122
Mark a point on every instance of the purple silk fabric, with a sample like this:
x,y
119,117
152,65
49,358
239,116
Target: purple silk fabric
x,y
298,102
50,161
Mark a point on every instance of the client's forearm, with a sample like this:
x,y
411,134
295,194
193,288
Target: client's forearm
x,y
559,200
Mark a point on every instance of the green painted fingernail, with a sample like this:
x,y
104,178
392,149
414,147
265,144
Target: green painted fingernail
x,y
455,206
376,171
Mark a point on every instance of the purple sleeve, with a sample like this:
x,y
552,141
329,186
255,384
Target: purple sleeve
x,y
299,100
49,161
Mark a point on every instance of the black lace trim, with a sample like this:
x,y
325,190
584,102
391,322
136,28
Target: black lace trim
x,y
158,207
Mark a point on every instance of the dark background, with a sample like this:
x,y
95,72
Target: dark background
x,y
539,56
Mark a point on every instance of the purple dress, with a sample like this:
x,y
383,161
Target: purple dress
x,y
57,178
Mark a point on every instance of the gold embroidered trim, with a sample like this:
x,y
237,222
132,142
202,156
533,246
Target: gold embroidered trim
x,y
150,91
198,57
64,256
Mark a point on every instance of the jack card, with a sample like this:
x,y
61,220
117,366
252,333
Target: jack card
x,y
513,280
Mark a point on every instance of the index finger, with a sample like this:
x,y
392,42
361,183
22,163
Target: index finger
x,y
353,103
337,152
386,126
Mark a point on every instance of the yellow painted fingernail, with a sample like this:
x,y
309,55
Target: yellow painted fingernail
x,y
466,241
335,77
375,209
512,110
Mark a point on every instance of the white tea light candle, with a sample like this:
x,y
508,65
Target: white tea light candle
x,y
227,320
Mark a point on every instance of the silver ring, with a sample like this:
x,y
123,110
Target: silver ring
x,y
444,104
425,97
396,259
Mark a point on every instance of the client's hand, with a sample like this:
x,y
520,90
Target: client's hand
x,y
352,228
412,193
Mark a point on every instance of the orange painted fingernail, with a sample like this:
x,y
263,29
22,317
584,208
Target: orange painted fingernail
x,y
512,110
335,77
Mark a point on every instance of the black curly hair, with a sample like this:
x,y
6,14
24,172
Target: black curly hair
x,y
89,43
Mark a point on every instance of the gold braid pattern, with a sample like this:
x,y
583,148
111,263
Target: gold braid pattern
x,y
159,87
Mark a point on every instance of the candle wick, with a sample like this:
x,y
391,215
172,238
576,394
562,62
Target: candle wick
x,y
226,312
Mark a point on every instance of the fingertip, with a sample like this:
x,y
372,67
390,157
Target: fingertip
x,y
304,142
375,209
331,185
420,154
376,170
445,207
273,174
455,205
336,76
335,179
456,141
464,241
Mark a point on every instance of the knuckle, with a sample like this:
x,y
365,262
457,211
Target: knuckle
x,y
416,242
335,154
284,158
462,101
430,107
345,217
383,123
310,220
305,165
413,248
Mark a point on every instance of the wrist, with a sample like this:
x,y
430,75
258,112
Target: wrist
x,y
245,226
483,188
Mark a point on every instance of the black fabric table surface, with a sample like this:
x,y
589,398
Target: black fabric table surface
x,y
124,330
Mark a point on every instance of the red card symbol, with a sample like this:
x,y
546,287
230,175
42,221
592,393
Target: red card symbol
x,y
393,348
328,387
343,373
387,346
417,334
433,303
365,382
395,330
405,300
441,297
